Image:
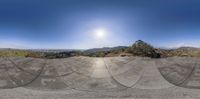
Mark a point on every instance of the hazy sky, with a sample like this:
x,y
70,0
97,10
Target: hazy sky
x,y
74,23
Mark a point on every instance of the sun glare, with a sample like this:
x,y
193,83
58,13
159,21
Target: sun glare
x,y
100,33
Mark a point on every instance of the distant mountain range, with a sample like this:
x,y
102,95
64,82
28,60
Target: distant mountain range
x,y
94,50
139,48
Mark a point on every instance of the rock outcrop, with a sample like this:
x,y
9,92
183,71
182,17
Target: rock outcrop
x,y
141,48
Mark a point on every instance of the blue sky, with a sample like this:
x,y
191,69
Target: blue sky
x,y
70,24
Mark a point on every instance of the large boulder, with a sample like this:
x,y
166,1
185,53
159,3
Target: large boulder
x,y
141,48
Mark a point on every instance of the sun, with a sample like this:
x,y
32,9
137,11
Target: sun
x,y
100,33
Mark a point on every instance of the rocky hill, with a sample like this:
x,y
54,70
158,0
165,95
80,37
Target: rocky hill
x,y
139,48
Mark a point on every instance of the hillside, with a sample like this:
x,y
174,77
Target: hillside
x,y
139,48
182,51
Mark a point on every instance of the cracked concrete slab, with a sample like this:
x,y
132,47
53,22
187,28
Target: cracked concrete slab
x,y
111,77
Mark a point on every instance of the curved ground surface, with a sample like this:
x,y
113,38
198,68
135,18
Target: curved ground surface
x,y
112,77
